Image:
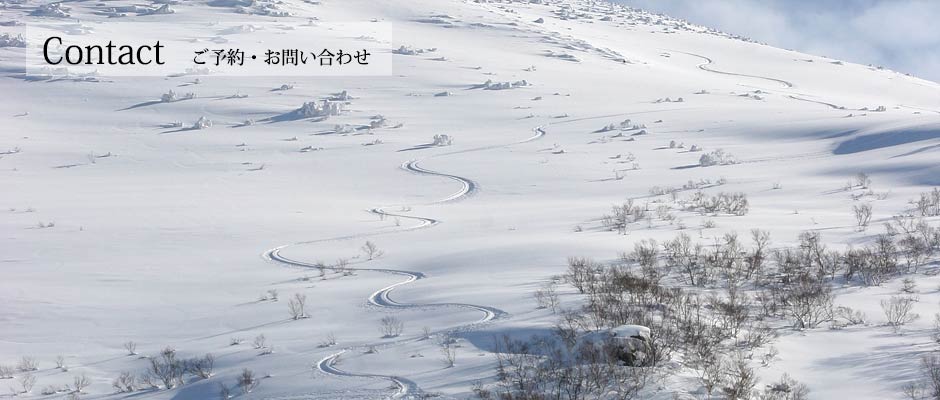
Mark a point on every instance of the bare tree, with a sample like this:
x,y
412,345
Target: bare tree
x,y
330,340
898,309
27,381
550,290
448,351
342,266
785,389
201,366
6,372
862,215
371,250
247,381
297,305
225,392
27,364
391,326
862,180
166,369
741,379
60,363
131,348
126,382
80,382
259,342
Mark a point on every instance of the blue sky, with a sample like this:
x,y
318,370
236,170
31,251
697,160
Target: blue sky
x,y
903,35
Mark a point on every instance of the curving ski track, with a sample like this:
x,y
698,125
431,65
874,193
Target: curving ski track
x,y
382,297
709,61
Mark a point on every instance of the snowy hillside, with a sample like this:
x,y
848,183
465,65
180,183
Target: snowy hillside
x,y
530,175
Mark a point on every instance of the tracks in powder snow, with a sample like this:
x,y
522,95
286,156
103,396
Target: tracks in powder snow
x,y
708,61
381,297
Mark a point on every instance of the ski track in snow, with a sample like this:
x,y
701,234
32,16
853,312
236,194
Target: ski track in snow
x,y
709,61
381,297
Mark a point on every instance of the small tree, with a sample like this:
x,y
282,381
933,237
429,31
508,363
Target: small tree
x,y
201,366
259,342
448,351
131,348
391,326
27,364
862,180
224,392
79,383
27,381
862,215
342,266
247,381
371,250
297,305
6,372
897,311
125,383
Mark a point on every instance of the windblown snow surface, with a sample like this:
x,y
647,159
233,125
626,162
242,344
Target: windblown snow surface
x,y
117,226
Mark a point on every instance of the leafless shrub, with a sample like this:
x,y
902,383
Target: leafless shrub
x,y
547,296
342,266
6,372
448,351
930,368
247,381
928,205
330,340
201,366
786,388
371,250
862,180
740,380
126,382
898,311
297,306
80,382
60,363
27,364
862,215
852,317
809,302
131,348
27,381
716,157
166,369
259,342
225,392
391,326
49,390
580,272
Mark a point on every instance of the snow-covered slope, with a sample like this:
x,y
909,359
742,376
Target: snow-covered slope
x,y
117,227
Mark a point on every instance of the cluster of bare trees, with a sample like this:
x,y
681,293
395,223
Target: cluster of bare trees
x,y
928,205
755,282
547,368
26,380
623,215
297,306
391,326
722,203
166,371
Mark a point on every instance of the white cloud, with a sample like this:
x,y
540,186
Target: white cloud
x,y
900,34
